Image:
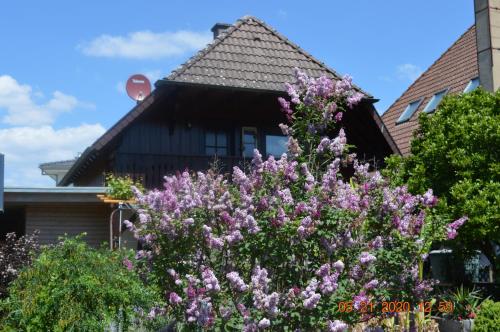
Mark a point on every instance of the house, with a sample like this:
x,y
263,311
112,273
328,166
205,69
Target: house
x,y
221,103
473,60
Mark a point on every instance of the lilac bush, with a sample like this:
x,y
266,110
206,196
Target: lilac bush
x,y
282,243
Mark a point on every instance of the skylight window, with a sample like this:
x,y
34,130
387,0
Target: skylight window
x,y
473,84
410,109
434,102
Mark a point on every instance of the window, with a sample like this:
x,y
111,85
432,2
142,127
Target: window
x,y
434,102
410,109
215,142
276,145
249,141
473,84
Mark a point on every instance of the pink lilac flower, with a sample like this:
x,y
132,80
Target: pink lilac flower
x,y
337,326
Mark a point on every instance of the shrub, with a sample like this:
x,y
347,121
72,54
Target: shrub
x,y
488,319
119,187
15,253
71,287
455,152
282,245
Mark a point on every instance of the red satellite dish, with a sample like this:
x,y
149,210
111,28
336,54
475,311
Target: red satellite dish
x,y
138,87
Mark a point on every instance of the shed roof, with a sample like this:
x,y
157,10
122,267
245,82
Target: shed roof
x,y
453,70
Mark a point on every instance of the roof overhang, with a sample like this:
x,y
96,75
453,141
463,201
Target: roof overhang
x,y
15,195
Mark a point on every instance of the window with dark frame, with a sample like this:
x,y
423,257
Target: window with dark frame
x,y
248,141
216,142
434,101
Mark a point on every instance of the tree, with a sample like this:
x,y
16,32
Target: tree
x,y
456,153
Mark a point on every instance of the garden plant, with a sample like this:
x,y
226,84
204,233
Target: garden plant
x,y
313,240
71,287
455,152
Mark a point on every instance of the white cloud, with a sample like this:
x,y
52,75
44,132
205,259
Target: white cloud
x,y
21,109
146,44
408,71
26,147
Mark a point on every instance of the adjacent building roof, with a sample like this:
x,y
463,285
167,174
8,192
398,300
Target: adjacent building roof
x,y
456,67
250,54
18,195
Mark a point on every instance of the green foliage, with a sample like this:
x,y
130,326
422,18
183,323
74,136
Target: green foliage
x,y
488,319
456,152
71,287
120,187
465,303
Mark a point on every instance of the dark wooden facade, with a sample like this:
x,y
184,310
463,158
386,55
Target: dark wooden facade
x,y
174,134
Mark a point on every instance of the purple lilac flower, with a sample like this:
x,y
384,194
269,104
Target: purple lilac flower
x,y
372,284
356,272
358,299
337,146
339,266
264,323
323,145
225,312
452,228
338,116
376,243
323,270
293,146
309,295
210,280
287,131
366,258
128,225
354,99
337,326
174,298
236,281
428,199
128,264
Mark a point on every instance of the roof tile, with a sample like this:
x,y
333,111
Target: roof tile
x,y
453,71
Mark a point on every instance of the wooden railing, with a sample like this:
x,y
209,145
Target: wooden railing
x,y
151,168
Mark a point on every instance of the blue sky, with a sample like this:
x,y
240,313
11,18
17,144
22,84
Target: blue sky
x,y
63,64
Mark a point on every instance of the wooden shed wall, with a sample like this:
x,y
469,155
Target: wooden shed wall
x,y
55,220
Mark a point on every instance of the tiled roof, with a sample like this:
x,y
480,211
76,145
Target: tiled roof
x,y
250,54
453,71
